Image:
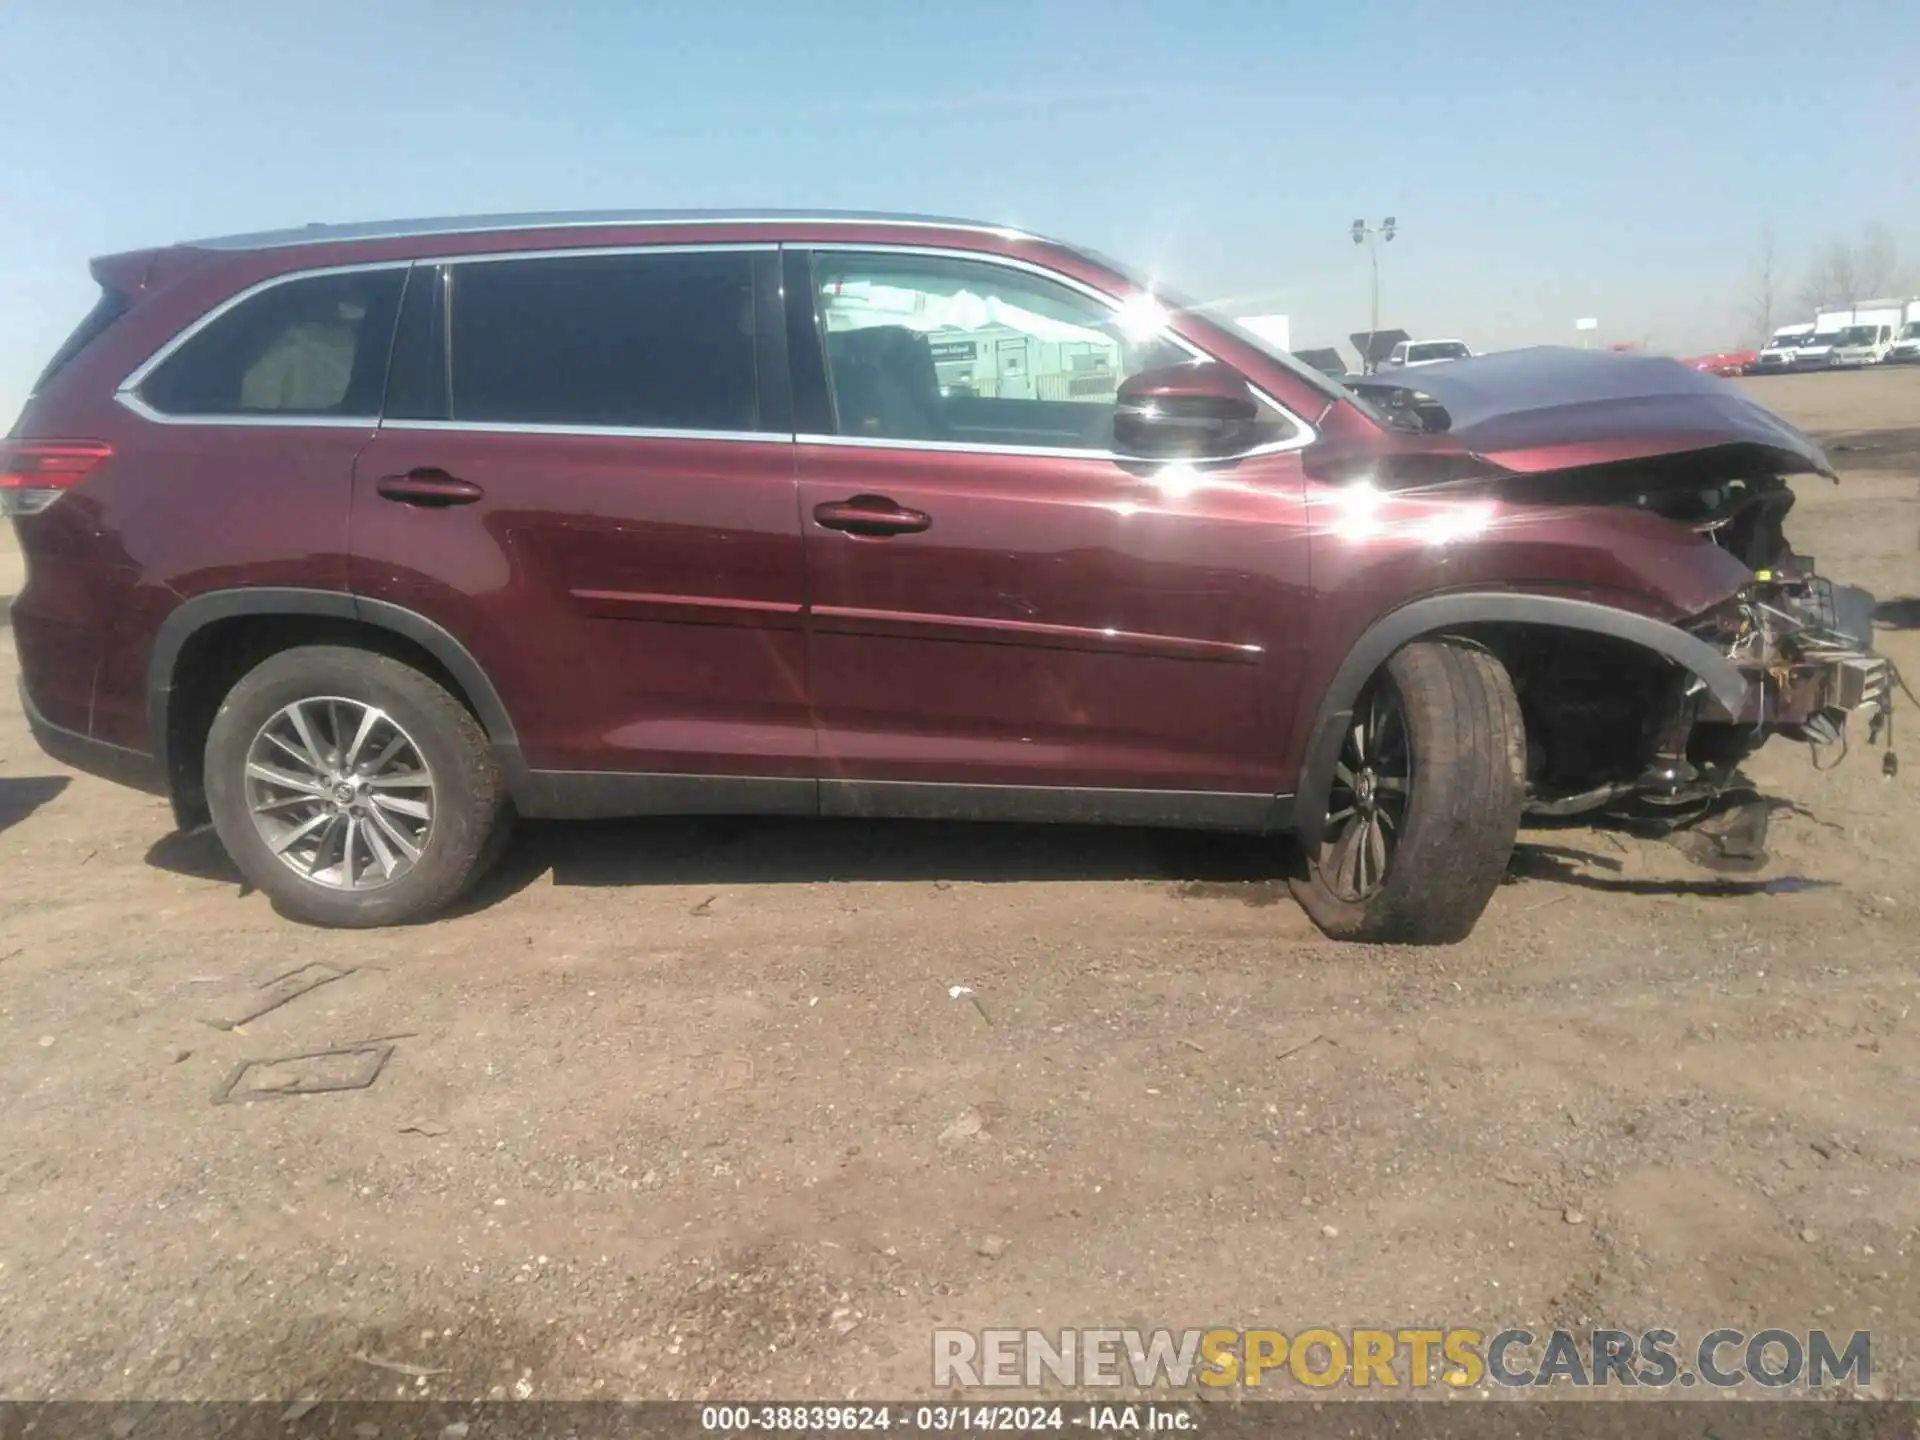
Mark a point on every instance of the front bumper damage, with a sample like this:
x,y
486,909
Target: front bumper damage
x,y
1799,663
1804,646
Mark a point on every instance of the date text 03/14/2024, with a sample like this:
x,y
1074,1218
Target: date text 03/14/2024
x,y
943,1419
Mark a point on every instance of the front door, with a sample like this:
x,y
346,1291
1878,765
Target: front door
x,y
1005,617
581,476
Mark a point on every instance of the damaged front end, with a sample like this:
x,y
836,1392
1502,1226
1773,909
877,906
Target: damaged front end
x,y
1802,644
1806,646
1612,730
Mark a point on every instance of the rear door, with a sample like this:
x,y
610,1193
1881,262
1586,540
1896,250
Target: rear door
x,y
1006,618
585,473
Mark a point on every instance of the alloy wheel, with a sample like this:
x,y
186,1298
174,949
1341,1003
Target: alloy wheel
x,y
340,792
1367,809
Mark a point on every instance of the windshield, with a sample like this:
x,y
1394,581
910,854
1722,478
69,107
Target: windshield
x,y
1788,342
1912,332
1439,350
1857,335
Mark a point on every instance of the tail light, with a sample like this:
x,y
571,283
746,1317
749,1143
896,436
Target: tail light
x,y
33,473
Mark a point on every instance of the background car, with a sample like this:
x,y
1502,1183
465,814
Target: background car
x,y
1727,362
1410,353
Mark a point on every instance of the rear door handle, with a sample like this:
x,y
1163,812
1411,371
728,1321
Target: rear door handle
x,y
870,515
429,487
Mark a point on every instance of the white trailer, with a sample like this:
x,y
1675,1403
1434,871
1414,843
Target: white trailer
x,y
1816,351
985,345
1011,363
1868,335
1905,349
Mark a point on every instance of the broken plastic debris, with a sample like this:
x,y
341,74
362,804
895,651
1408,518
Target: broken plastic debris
x,y
956,992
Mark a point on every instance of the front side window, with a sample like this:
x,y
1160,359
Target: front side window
x,y
932,348
630,341
314,346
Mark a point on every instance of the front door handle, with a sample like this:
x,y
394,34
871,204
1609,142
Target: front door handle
x,y
429,487
870,515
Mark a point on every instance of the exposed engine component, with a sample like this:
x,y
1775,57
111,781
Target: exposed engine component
x,y
1746,518
1808,643
1608,735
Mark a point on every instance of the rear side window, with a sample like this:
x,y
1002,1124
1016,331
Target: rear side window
x,y
633,341
108,308
312,346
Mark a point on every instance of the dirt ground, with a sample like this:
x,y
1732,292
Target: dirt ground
x,y
692,1109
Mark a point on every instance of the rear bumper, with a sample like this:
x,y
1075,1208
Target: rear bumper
x,y
94,757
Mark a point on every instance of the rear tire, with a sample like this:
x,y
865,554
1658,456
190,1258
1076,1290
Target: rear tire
x,y
1420,832
384,832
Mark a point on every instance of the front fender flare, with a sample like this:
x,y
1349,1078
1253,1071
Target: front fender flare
x,y
1440,613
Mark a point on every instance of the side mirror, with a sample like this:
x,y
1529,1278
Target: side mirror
x,y
1186,412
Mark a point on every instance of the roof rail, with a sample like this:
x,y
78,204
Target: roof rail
x,y
321,234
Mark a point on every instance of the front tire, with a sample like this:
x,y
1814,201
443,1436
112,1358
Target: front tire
x,y
1425,803
352,789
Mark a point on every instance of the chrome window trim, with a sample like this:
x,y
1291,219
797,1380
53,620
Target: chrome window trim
x,y
453,225
956,447
582,252
1303,436
127,392
1048,452
612,432
279,420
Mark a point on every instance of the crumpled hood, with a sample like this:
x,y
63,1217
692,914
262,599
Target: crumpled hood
x,y
1550,408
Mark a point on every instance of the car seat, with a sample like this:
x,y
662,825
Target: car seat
x,y
885,386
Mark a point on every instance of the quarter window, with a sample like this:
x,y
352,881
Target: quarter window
x,y
313,346
633,341
930,348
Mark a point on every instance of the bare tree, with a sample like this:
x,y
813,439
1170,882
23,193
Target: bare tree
x,y
1877,263
1763,287
1833,280
1843,274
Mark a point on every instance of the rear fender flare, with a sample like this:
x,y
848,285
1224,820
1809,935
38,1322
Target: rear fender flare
x,y
203,610
1440,613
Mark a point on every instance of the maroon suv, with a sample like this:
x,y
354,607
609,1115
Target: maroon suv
x,y
360,540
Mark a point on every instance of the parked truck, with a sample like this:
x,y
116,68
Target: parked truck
x,y
1869,335
1816,351
1777,355
1905,349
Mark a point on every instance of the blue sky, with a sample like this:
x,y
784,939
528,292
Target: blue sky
x,y
1544,160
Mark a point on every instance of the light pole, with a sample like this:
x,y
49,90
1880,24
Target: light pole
x,y
1371,235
